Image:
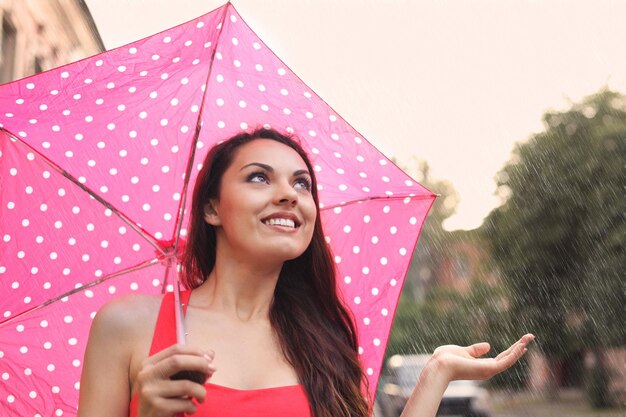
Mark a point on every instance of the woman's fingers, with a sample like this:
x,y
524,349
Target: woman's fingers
x,y
176,363
178,350
508,358
523,341
478,349
164,369
159,406
180,389
505,362
508,351
175,359
166,398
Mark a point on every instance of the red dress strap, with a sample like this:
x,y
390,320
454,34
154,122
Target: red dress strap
x,y
165,330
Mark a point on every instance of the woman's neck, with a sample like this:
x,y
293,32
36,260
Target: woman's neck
x,y
242,290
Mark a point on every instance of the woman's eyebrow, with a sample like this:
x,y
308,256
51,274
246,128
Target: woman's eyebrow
x,y
270,169
264,166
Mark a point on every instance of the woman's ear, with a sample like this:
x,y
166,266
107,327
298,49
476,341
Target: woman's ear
x,y
210,214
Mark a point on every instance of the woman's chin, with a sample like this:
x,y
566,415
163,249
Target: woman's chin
x,y
280,254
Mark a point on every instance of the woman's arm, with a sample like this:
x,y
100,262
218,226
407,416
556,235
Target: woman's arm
x,y
450,363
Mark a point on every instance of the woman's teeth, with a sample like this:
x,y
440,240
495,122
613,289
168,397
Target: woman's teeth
x,y
280,222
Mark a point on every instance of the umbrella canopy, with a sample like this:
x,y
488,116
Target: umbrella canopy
x,y
96,158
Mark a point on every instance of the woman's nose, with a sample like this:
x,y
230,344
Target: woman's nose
x,y
285,193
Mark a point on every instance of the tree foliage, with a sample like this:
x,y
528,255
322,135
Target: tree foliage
x,y
558,239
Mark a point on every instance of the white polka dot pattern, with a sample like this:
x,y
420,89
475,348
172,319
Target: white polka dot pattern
x,y
93,159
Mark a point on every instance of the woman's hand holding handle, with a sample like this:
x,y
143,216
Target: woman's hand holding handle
x,y
163,387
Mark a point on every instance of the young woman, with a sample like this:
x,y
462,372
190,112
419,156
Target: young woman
x,y
265,325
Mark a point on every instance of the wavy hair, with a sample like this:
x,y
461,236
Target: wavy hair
x,y
316,331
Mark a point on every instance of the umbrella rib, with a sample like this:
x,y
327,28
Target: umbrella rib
x,y
166,278
192,151
89,191
105,278
395,197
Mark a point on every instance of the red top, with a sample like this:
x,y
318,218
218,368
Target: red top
x,y
288,401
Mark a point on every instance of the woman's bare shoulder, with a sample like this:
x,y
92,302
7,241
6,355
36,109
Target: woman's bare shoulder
x,y
129,316
119,331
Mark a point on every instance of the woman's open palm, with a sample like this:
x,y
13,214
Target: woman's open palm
x,y
466,362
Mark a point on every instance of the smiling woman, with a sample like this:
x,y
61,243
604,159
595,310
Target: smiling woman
x,y
265,207
264,318
252,180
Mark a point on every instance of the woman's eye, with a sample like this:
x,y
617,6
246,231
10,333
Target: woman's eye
x,y
303,183
257,177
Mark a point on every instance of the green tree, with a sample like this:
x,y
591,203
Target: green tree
x,y
558,238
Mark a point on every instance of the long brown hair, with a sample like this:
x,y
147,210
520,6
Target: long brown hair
x,y
316,331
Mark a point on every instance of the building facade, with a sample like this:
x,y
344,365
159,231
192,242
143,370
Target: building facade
x,y
38,35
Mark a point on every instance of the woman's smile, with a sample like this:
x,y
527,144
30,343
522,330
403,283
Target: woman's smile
x,y
281,222
286,222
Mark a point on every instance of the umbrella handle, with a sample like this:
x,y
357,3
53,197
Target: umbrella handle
x,y
178,316
194,376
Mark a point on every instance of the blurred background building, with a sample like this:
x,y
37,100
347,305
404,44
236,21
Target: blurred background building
x,y
38,35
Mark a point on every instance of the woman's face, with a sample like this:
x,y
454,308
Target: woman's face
x,y
265,210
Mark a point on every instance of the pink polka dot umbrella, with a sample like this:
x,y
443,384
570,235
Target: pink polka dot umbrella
x,y
95,161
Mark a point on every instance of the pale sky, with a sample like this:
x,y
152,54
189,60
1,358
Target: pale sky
x,y
455,83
